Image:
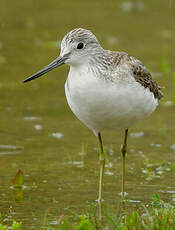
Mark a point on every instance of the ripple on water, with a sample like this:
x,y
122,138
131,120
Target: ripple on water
x,y
38,127
172,147
137,135
10,149
57,135
31,118
79,164
156,145
171,192
109,173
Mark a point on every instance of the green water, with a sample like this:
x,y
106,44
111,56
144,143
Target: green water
x,y
40,135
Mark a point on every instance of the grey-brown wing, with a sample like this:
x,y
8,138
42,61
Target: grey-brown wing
x,y
143,76
140,73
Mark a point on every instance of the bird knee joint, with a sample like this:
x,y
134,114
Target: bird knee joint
x,y
123,150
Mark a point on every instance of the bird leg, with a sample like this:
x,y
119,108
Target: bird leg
x,y
102,165
124,150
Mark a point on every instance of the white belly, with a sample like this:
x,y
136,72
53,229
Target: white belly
x,y
101,104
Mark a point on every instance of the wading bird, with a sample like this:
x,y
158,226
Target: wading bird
x,y
104,89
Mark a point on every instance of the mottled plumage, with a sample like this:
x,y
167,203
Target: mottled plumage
x,y
140,73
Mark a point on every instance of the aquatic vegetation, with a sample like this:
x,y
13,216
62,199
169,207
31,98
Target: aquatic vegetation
x,y
18,186
6,220
157,215
15,226
154,170
18,180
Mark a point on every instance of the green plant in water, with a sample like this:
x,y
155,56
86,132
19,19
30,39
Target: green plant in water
x,y
154,170
3,227
15,226
65,225
18,186
84,224
158,215
156,200
18,180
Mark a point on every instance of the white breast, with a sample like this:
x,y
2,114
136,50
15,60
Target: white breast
x,y
102,104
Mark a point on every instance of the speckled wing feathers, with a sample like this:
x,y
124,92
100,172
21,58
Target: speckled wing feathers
x,y
140,73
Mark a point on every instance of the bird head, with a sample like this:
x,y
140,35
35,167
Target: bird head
x,y
77,47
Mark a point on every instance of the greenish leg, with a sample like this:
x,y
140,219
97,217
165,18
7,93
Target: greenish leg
x,y
102,165
124,150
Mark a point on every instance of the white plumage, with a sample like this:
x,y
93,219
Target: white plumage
x,y
103,104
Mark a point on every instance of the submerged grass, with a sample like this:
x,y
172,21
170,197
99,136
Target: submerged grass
x,y
158,215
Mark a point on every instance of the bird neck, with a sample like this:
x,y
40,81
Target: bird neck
x,y
98,62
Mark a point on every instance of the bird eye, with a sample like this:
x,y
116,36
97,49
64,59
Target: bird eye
x,y
80,45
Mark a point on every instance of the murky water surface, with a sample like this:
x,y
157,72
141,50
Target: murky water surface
x,y
40,135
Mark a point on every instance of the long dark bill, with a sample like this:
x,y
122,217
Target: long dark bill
x,y
57,62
